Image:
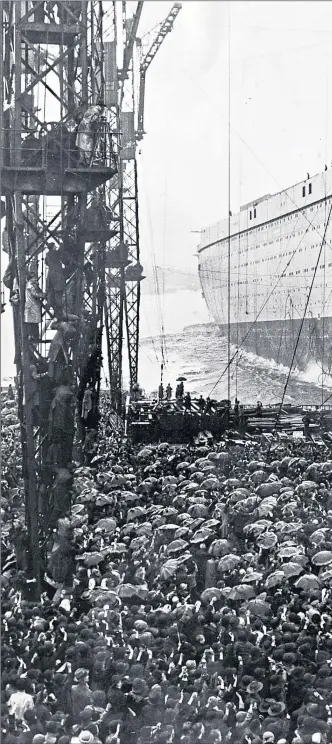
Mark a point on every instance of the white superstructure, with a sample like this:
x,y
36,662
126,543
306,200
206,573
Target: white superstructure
x,y
275,242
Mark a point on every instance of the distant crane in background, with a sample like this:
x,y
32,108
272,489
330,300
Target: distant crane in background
x,y
164,29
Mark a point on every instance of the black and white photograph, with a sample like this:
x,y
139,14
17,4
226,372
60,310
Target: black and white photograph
x,y
166,372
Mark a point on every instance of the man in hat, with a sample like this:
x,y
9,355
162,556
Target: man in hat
x,y
55,282
33,305
81,695
88,131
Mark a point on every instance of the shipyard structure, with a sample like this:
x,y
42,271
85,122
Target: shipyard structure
x,y
279,274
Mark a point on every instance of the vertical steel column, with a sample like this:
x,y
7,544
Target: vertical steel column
x,y
115,286
69,76
30,476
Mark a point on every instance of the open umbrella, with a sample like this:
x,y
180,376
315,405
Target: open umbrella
x,y
266,507
106,525
145,453
102,597
181,379
104,499
323,558
275,578
128,529
242,592
239,494
135,513
181,532
144,529
259,608
92,559
129,496
198,510
306,486
259,476
169,480
267,541
201,535
167,528
219,548
210,523
252,577
286,528
247,506
169,569
137,542
177,546
288,551
211,593
308,581
228,562
182,466
292,569
319,536
129,591
257,527
301,559
210,484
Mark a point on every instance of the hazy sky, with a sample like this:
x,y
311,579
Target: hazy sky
x,y
280,109
280,116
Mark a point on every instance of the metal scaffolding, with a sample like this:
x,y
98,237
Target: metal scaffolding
x,y
69,131
56,232
126,272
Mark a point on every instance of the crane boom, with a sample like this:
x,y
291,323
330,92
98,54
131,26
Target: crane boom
x,y
128,51
164,29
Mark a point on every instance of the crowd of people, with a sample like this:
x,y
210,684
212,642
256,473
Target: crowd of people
x,y
190,598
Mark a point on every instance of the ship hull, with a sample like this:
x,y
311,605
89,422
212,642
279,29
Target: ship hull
x,y
268,267
276,340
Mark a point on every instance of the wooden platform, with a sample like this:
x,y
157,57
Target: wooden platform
x,y
31,180
49,33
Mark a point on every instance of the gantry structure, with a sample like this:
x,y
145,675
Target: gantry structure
x,y
125,96
72,117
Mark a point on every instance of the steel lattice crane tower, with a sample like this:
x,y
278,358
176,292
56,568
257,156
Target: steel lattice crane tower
x,y
56,216
123,81
72,229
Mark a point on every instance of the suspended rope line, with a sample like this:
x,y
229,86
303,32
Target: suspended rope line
x,y
229,214
164,351
282,331
155,273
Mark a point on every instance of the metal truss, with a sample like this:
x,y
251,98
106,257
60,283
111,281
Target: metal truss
x,y
125,276
52,71
123,293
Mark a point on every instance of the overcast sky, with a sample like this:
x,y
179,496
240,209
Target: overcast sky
x,y
280,113
280,116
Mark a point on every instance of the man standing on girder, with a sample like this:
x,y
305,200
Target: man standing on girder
x,y
87,132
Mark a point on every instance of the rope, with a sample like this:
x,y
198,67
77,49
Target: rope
x,y
229,214
155,273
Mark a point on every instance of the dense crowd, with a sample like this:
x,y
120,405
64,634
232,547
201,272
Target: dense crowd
x,y
192,598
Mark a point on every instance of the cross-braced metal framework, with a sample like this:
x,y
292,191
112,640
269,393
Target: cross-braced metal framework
x,y
57,227
125,271
124,254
